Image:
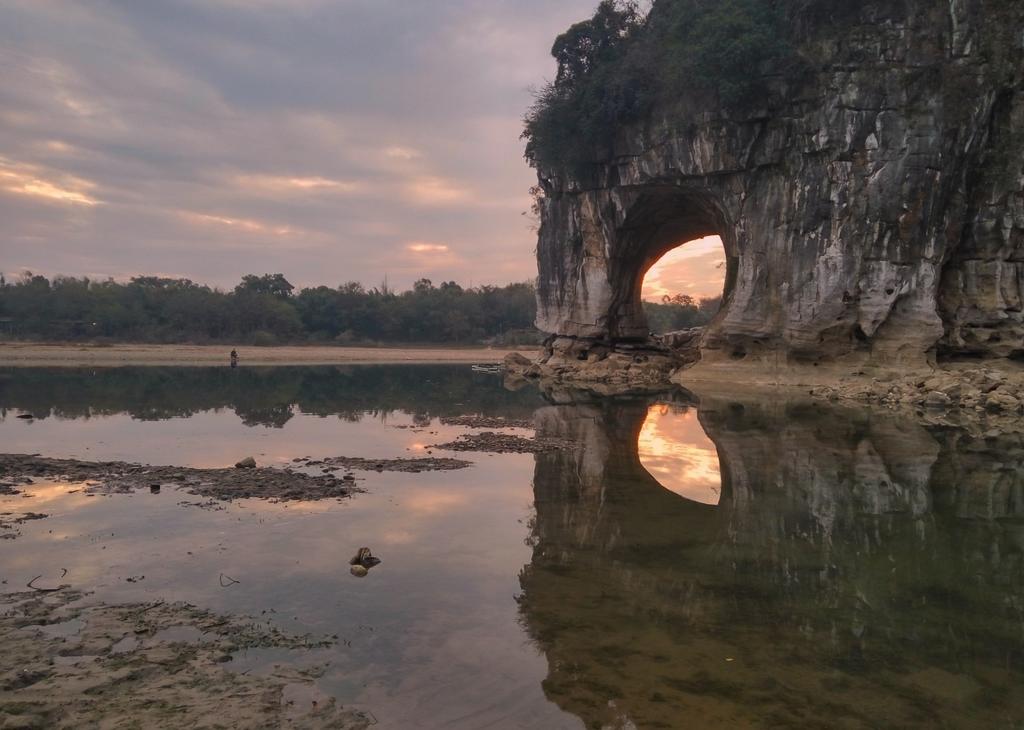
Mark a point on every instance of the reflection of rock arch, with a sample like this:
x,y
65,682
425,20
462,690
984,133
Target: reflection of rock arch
x,y
676,451
607,469
827,558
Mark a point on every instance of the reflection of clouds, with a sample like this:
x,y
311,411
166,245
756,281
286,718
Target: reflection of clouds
x,y
675,450
398,537
45,494
433,501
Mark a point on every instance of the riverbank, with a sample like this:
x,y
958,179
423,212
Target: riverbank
x,y
32,354
985,393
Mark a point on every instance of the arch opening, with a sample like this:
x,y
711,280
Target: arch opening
x,y
675,248
683,289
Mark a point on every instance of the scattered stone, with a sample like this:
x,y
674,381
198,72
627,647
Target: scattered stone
x,y
515,361
937,399
362,561
999,400
144,678
364,558
957,394
246,463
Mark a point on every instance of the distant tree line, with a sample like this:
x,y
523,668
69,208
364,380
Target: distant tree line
x,y
680,312
263,310
267,310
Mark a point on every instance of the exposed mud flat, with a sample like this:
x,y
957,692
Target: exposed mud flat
x,y
487,422
410,465
107,477
71,665
504,443
9,522
35,354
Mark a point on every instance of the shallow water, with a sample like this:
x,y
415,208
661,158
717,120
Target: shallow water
x,y
752,562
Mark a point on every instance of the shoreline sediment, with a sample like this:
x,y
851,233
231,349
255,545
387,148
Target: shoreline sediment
x,y
34,354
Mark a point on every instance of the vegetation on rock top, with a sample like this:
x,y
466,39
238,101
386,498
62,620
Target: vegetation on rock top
x,y
615,67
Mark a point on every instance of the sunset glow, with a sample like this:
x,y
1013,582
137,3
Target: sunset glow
x,y
696,268
32,181
675,450
422,247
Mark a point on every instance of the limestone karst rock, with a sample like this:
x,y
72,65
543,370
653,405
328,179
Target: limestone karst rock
x,y
871,210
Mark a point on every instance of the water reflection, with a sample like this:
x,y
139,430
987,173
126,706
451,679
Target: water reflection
x,y
673,447
259,396
750,561
859,570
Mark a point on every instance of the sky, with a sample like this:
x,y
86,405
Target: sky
x,y
696,268
328,140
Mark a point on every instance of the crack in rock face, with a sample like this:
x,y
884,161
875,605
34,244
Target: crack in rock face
x,y
870,212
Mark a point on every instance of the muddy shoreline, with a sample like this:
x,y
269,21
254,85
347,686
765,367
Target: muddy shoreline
x,y
33,354
71,664
118,477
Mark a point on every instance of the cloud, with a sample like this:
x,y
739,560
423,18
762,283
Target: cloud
x,y
436,191
319,137
422,247
241,224
33,181
290,184
401,153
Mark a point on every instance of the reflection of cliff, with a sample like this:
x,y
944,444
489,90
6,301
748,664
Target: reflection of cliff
x,y
260,396
838,582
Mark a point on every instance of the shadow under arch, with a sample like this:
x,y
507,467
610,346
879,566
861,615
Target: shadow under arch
x,y
659,219
840,580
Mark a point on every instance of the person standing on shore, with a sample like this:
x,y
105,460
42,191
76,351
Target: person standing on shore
x,y
234,358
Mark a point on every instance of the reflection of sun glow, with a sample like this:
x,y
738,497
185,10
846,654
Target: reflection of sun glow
x,y
435,501
675,450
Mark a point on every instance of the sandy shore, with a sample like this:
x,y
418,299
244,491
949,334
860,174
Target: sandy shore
x,y
30,354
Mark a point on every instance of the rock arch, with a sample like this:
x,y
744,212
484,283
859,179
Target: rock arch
x,y
659,220
872,213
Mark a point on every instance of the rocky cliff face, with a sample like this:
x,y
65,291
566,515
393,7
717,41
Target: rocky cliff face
x,y
871,210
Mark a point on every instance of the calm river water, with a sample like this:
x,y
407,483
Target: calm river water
x,y
748,562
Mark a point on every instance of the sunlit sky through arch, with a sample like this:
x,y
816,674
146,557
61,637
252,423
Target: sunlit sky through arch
x,y
696,268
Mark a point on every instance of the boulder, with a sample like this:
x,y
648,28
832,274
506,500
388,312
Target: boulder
x,y
937,399
246,463
999,401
